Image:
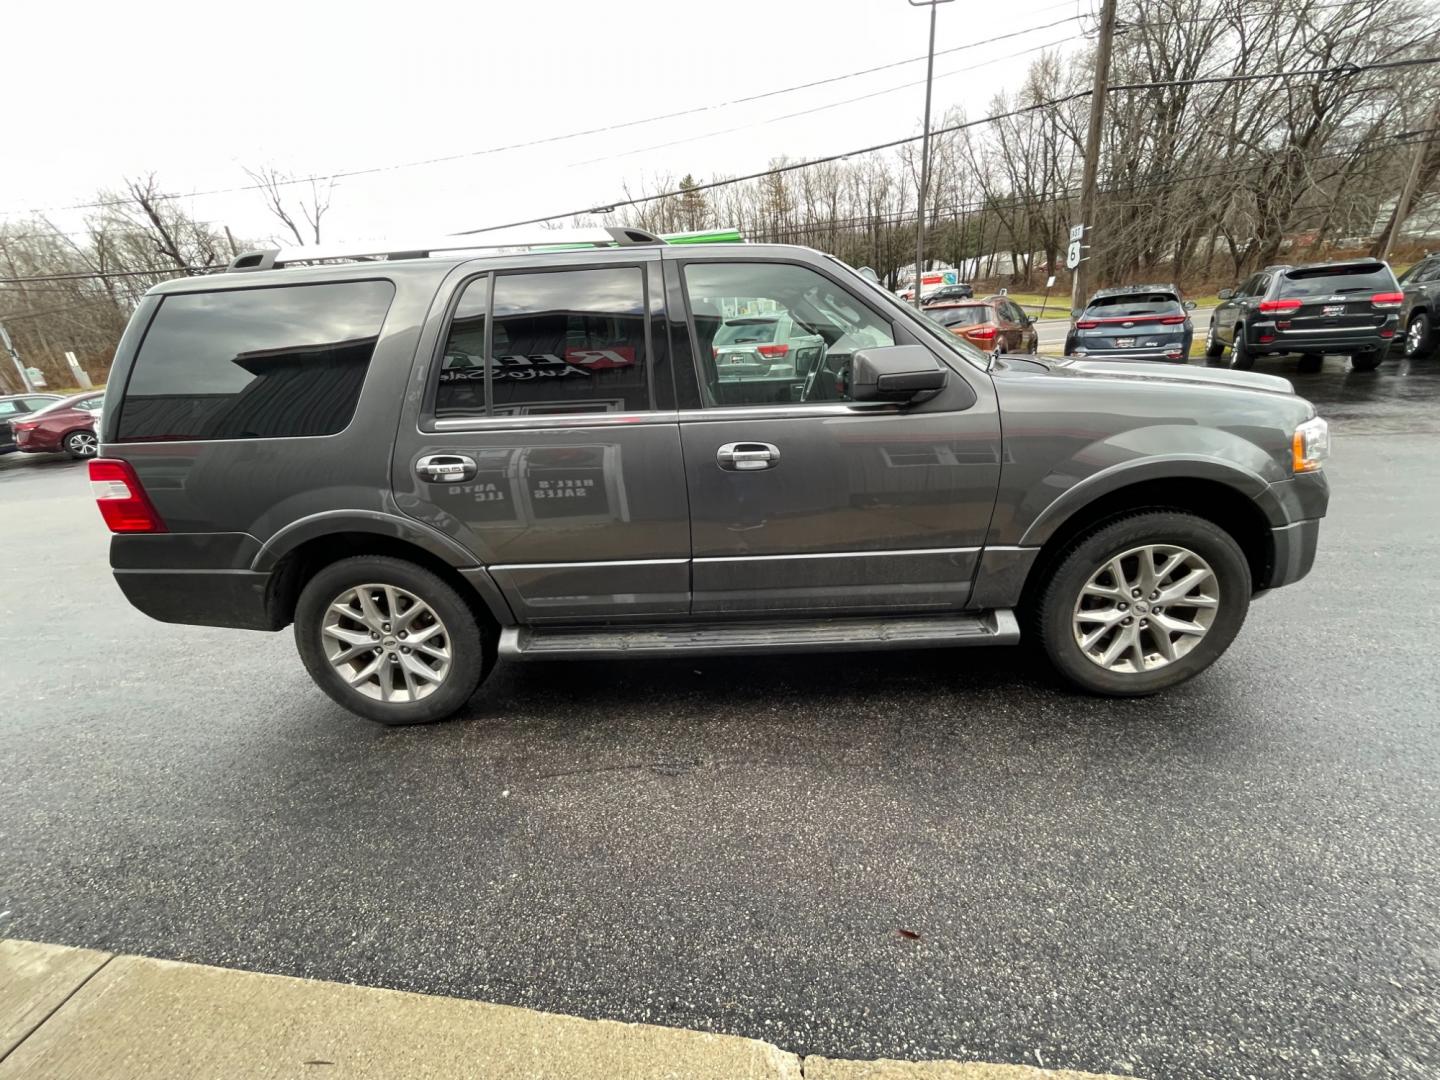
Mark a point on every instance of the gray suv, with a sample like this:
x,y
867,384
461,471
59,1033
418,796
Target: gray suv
x,y
428,459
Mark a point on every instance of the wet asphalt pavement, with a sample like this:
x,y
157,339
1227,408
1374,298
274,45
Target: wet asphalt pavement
x,y
1238,879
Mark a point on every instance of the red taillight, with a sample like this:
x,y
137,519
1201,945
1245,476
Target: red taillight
x,y
1173,320
980,333
772,352
24,425
1086,324
1387,299
1388,332
122,501
1271,307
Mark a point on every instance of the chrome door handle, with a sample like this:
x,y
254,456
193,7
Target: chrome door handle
x,y
446,468
747,456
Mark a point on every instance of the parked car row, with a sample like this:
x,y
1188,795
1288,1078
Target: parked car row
x,y
50,423
1353,308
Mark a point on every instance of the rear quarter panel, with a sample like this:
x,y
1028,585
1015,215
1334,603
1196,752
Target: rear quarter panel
x,y
259,486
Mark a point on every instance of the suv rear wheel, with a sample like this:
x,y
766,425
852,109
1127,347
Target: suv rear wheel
x,y
1144,603
389,640
1366,361
1419,337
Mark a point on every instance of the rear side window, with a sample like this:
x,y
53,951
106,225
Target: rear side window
x,y
254,363
562,342
1334,280
976,315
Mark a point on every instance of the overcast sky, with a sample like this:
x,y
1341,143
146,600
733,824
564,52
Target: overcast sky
x,y
196,91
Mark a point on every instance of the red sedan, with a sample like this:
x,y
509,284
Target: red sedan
x,y
68,425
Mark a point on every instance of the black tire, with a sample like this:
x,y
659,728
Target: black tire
x,y
1061,593
1366,361
1309,365
471,646
1241,357
1214,347
1419,337
82,445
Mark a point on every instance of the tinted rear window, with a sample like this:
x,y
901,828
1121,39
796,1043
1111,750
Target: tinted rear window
x,y
1137,304
962,316
745,333
1333,280
254,363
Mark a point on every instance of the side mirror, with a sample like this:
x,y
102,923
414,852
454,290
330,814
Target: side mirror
x,y
895,373
1075,313
1189,305
1225,294
869,275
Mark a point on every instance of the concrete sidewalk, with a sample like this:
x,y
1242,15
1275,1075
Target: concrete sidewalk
x,y
78,1013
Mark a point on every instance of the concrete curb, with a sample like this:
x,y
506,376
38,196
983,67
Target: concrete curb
x,y
74,1012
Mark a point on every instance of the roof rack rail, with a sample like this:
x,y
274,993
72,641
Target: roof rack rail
x,y
553,240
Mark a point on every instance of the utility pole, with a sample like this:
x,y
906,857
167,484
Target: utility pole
x,y
1407,191
25,383
924,151
1092,140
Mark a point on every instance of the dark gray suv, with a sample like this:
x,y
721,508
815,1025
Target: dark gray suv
x,y
426,460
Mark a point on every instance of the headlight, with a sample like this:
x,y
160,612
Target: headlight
x,y
1311,445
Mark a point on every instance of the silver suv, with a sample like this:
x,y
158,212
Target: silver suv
x,y
429,459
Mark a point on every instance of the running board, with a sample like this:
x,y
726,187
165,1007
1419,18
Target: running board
x,y
790,636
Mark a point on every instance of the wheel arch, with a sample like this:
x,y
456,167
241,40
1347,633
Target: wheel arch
x,y
1227,504
294,555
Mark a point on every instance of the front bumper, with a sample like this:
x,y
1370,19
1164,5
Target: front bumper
x,y
1294,552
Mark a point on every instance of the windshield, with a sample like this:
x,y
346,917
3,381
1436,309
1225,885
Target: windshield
x,y
975,315
1134,304
746,332
1370,277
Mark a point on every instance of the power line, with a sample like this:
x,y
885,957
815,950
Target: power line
x,y
604,129
817,108
1345,70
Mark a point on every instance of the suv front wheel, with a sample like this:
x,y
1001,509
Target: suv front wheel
x,y
389,640
1144,603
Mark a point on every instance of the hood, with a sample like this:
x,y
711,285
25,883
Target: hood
x,y
1184,374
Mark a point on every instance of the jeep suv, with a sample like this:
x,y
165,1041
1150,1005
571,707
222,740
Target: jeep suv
x,y
1342,307
428,461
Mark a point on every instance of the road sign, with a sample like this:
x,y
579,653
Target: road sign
x,y
1077,232
1050,282
1072,255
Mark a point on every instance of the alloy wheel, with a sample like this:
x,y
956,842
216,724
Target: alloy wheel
x,y
386,643
1415,336
1145,608
83,444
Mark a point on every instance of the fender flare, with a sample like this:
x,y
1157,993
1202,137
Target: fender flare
x,y
425,537
1124,474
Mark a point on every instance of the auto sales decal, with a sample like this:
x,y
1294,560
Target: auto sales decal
x,y
542,365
